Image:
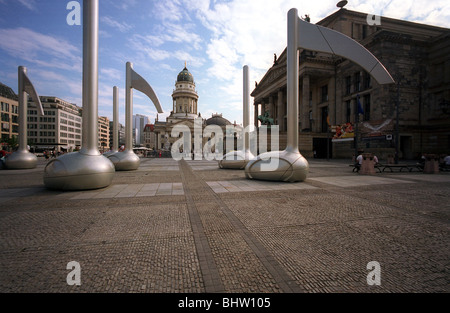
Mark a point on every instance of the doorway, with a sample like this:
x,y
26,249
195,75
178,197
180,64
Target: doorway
x,y
320,148
406,147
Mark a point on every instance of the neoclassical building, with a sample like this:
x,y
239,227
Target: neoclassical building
x,y
184,113
418,58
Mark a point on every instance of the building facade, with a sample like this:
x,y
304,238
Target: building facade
x,y
60,129
409,118
139,122
103,133
150,137
9,113
184,115
121,134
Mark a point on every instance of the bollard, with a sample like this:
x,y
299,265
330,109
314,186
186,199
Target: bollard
x,y
368,164
431,164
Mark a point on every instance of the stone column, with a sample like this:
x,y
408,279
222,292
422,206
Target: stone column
x,y
304,105
281,111
271,108
255,121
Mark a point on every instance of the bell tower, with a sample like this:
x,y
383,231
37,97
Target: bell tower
x,y
185,96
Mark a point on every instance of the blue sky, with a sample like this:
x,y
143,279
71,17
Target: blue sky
x,y
215,37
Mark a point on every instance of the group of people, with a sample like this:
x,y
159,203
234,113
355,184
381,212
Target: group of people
x,y
444,162
51,154
359,160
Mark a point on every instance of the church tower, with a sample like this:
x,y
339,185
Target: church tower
x,y
185,96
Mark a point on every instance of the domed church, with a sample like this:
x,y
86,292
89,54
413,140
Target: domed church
x,y
184,112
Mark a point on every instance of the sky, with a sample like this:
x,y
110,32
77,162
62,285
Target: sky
x,y
215,38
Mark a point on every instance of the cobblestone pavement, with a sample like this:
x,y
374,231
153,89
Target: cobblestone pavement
x,y
189,226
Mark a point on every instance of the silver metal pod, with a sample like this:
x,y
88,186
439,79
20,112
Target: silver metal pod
x,y
290,165
86,169
239,159
127,160
22,158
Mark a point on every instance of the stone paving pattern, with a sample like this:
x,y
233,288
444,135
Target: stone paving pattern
x,y
188,226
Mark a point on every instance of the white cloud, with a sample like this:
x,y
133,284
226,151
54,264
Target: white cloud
x,y
168,10
110,74
436,12
29,4
122,27
51,82
40,49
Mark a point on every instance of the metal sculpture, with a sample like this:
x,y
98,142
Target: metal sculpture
x,y
127,160
265,119
22,158
289,164
239,159
115,146
86,169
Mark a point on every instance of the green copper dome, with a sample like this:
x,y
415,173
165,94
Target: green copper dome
x,y
185,76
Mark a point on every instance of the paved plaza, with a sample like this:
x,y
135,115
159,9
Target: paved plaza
x,y
188,226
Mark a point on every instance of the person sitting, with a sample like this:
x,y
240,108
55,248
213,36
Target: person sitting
x,y
359,160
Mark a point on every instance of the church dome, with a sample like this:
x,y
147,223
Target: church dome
x,y
217,119
185,76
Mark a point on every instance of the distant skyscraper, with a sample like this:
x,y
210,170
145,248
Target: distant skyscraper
x,y
139,122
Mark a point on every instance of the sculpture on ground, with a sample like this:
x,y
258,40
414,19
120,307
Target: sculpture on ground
x,y
115,146
86,169
127,160
22,158
239,159
289,164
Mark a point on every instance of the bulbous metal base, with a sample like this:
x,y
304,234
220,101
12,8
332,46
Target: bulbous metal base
x,y
236,160
278,166
21,159
76,171
125,161
108,153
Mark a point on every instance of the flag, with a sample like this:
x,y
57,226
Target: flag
x,y
360,108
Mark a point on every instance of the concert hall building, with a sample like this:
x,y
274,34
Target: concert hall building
x,y
418,58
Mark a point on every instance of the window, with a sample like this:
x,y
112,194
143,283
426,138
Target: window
x,y
348,110
367,107
5,106
364,31
348,85
324,114
367,80
325,93
357,82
